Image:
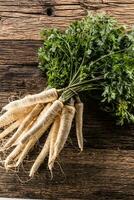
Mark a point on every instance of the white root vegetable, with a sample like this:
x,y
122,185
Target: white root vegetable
x,y
43,97
13,154
45,109
67,116
16,142
24,152
31,117
39,160
19,110
46,148
53,135
41,115
46,120
34,113
79,124
29,145
13,115
25,123
10,129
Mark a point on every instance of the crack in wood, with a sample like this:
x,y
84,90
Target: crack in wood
x,y
104,170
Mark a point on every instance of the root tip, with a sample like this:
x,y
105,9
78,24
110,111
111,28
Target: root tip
x,y
51,173
81,149
31,173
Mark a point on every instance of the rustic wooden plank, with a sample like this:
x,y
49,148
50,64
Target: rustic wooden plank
x,y
25,26
19,80
19,20
123,10
25,19
38,2
39,10
104,171
18,76
19,52
100,130
94,174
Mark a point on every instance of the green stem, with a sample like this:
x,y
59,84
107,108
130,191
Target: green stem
x,y
75,77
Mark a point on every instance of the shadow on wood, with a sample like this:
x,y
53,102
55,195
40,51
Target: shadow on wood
x,y
104,170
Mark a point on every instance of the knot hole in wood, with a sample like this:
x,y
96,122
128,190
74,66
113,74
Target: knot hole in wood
x,y
49,11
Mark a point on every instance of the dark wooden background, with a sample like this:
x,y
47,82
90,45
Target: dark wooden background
x,y
105,169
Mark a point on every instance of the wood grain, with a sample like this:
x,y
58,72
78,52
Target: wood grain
x,y
104,170
18,19
19,52
95,174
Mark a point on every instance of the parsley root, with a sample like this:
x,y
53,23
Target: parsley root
x,y
67,116
46,120
79,123
27,120
54,131
43,97
10,128
94,56
12,115
39,160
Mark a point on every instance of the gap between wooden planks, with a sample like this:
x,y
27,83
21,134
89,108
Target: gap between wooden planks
x,y
25,19
105,169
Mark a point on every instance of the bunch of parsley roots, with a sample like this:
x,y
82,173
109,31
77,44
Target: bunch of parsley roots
x,y
93,56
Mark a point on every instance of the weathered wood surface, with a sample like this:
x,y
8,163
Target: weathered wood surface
x,y
105,169
24,19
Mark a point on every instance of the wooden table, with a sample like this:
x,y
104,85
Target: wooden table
x,y
105,169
